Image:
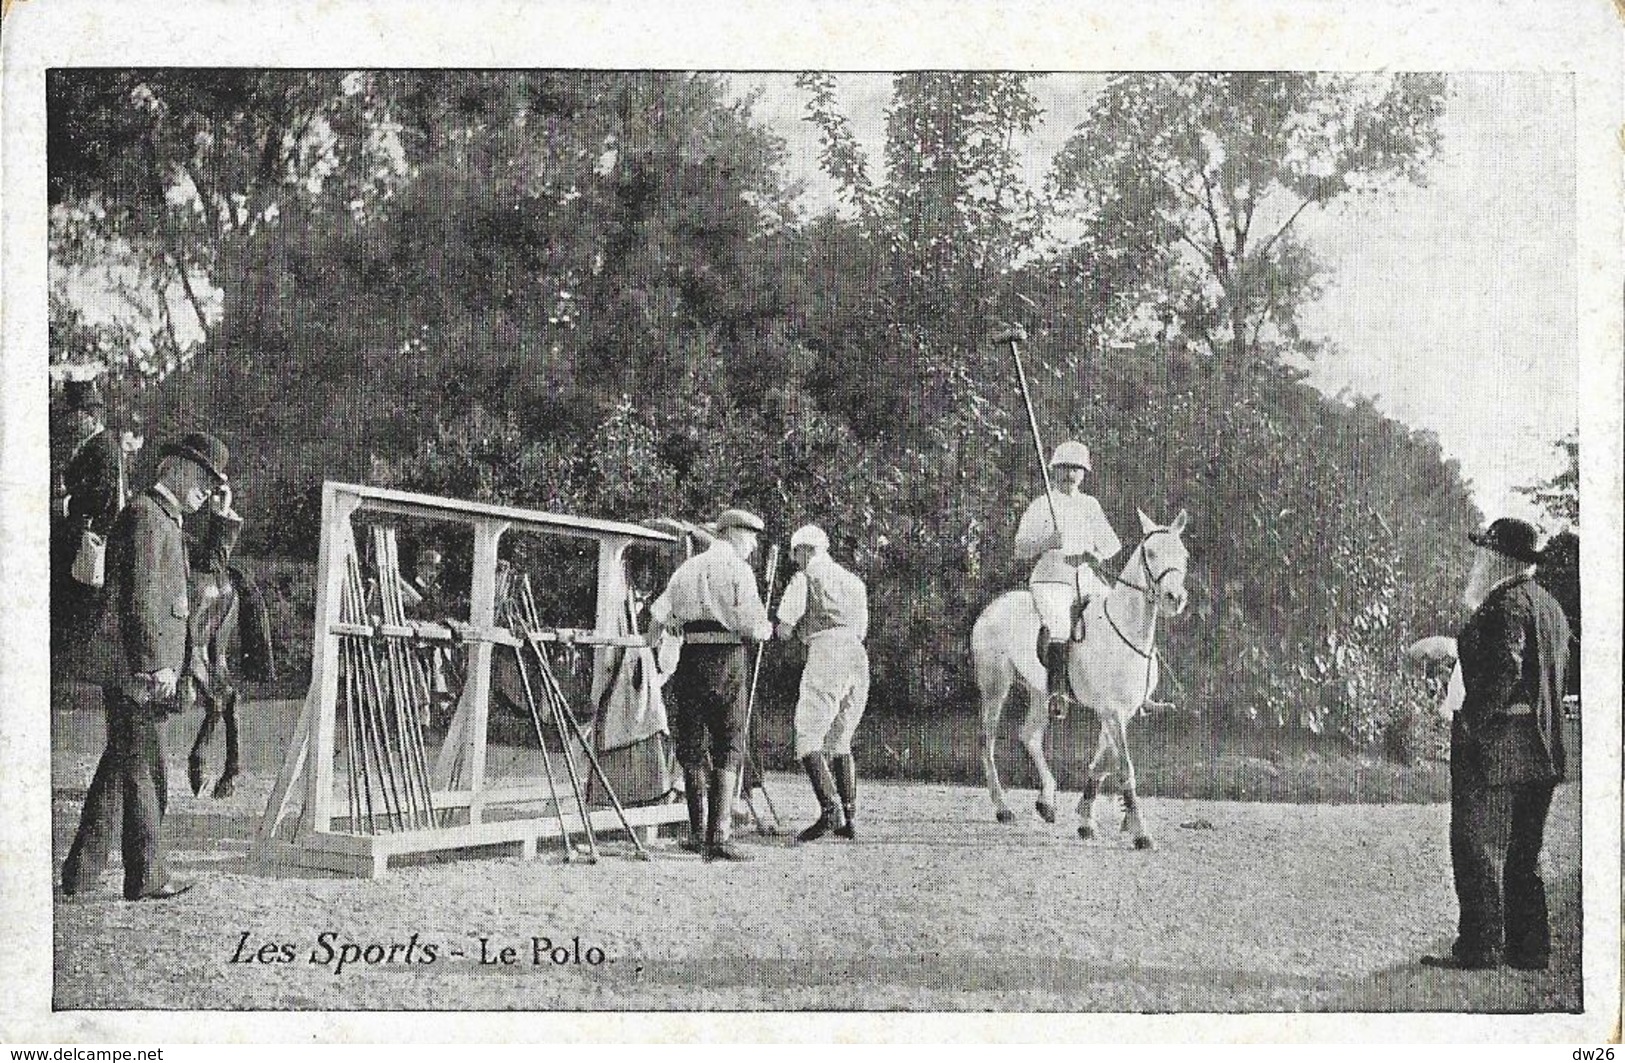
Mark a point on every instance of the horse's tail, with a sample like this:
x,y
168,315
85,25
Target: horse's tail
x,y
254,641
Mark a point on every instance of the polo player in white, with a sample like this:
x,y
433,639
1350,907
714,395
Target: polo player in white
x,y
827,607
1065,558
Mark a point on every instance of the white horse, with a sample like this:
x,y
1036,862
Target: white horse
x,y
1113,671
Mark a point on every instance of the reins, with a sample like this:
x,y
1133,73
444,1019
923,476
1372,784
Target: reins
x,y
1149,592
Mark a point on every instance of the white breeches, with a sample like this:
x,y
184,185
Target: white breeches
x,y
834,693
1055,600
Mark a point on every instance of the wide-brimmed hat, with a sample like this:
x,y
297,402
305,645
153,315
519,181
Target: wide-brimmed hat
x,y
1510,537
203,449
83,395
739,518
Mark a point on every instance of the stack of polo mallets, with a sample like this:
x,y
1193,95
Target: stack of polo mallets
x,y
521,617
383,684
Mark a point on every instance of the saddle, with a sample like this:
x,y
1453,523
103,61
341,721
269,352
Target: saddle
x,y
1079,626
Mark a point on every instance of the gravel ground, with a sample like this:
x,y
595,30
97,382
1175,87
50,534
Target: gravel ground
x,y
1242,907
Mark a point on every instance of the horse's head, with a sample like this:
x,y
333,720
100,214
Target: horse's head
x,y
1160,569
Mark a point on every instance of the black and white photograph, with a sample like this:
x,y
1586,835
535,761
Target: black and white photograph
x,y
775,531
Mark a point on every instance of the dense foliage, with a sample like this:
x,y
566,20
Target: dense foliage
x,y
592,292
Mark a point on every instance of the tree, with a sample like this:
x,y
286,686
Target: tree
x,y
1217,168
187,174
1559,495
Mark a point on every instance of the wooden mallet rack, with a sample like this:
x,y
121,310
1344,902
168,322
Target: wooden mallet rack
x,y
466,812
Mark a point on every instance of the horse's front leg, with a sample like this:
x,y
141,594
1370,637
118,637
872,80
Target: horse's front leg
x,y
1100,765
194,760
1032,738
228,777
1132,823
994,688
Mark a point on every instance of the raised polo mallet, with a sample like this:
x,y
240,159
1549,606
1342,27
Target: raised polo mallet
x,y
1015,335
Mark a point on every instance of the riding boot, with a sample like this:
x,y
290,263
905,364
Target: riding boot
x,y
846,783
719,826
694,783
823,785
1055,672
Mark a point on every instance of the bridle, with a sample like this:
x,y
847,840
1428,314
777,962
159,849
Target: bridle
x,y
1150,590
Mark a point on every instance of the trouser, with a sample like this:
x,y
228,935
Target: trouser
x,y
706,701
130,788
834,693
1496,833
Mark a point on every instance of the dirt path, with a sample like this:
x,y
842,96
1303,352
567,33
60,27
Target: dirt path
x,y
1267,907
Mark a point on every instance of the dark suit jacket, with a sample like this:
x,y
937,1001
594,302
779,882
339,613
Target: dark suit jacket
x,y
143,624
91,479
1513,652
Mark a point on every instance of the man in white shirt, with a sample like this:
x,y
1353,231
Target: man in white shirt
x,y
1064,558
713,602
827,607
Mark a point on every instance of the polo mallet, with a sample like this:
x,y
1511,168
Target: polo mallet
x,y
530,618
551,680
1014,336
750,705
541,741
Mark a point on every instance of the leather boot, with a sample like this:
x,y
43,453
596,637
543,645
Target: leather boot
x,y
846,783
719,827
823,785
1055,673
694,784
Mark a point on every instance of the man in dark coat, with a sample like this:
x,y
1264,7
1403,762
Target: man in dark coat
x,y
89,492
1506,754
138,653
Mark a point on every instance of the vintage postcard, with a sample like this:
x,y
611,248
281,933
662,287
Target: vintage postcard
x,y
699,522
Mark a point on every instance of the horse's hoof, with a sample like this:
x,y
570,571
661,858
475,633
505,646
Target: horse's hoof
x,y
1086,832
1046,812
225,788
194,776
1144,842
1006,816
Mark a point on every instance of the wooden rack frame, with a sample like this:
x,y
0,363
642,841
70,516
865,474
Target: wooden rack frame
x,y
324,837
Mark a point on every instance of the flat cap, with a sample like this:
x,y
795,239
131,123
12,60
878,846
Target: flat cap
x,y
739,518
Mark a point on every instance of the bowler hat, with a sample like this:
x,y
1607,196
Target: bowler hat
x,y
83,395
1511,537
739,518
202,448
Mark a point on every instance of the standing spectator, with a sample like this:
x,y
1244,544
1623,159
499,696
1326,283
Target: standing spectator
x,y
89,494
138,654
1506,754
827,607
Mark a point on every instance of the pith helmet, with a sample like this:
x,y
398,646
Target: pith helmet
x,y
1071,453
810,535
739,518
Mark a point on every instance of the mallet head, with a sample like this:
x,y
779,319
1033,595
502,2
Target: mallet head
x,y
1011,334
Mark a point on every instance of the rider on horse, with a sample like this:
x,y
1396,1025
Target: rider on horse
x,y
1064,577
